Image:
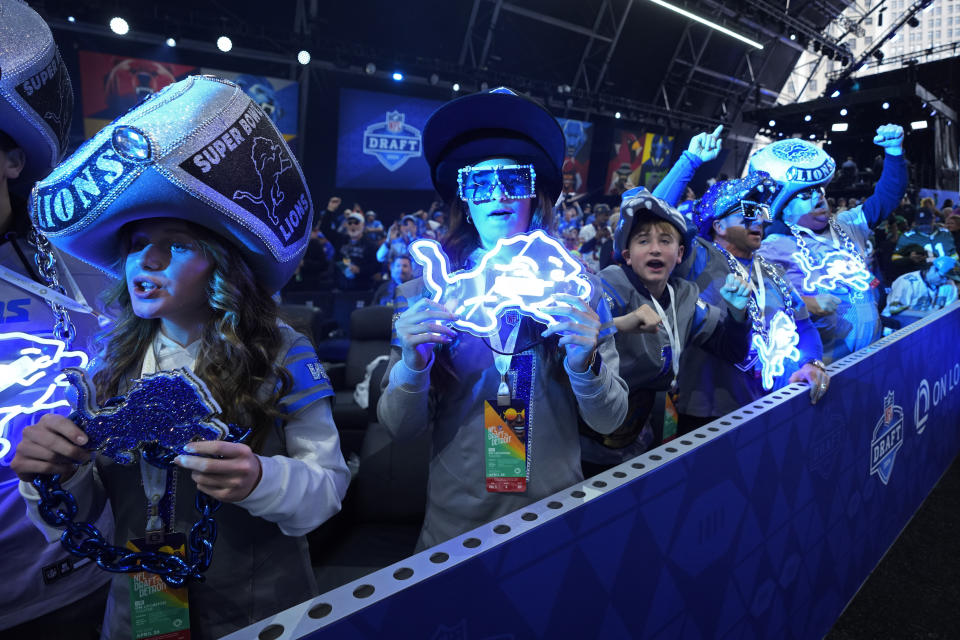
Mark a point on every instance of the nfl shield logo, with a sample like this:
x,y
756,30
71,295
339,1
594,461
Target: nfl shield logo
x,y
394,121
888,408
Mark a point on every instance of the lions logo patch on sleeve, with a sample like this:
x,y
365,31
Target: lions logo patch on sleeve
x,y
317,372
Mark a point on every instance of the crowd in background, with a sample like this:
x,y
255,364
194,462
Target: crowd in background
x,y
358,251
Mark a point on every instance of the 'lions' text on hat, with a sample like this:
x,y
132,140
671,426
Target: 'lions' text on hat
x,y
200,150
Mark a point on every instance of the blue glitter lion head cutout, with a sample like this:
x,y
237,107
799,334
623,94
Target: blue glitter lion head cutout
x,y
160,413
522,272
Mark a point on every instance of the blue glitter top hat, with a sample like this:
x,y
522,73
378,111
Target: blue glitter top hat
x,y
723,198
496,124
36,97
200,150
795,165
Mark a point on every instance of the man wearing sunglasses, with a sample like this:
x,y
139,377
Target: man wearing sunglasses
x,y
824,254
785,346
357,259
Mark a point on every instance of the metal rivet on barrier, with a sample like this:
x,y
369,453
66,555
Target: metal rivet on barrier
x,y
272,632
363,591
320,610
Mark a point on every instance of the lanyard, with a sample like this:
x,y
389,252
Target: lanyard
x,y
760,289
48,294
157,482
502,361
672,329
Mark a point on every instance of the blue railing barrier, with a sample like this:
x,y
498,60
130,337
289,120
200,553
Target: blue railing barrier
x,y
763,524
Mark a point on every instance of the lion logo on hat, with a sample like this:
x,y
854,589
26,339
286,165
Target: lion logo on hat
x,y
270,163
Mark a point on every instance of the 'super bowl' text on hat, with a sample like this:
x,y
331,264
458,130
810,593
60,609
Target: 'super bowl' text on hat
x,y
200,150
795,165
495,124
36,97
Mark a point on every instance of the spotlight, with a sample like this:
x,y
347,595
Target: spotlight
x,y
456,86
71,19
119,26
370,69
303,57
839,126
843,111
924,105
434,78
397,76
807,118
885,105
171,42
878,55
793,36
813,137
913,22
224,44
918,124
933,113
617,115
772,123
835,94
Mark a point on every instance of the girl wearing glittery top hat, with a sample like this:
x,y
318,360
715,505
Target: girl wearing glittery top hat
x,y
502,409
193,201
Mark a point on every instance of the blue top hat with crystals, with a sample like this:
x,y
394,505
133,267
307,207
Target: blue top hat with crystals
x,y
200,150
495,124
795,165
36,97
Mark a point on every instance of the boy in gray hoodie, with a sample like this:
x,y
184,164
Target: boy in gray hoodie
x,y
656,315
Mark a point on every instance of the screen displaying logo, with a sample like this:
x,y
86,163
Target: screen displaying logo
x,y
379,142
393,141
887,439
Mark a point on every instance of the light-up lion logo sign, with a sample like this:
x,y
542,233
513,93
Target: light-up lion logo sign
x,y
780,345
522,272
831,270
30,382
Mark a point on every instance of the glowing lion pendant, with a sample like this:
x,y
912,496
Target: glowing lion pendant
x,y
833,269
781,344
522,272
160,413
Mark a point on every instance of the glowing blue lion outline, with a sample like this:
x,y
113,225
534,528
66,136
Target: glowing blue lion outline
x,y
27,370
780,345
857,278
516,285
